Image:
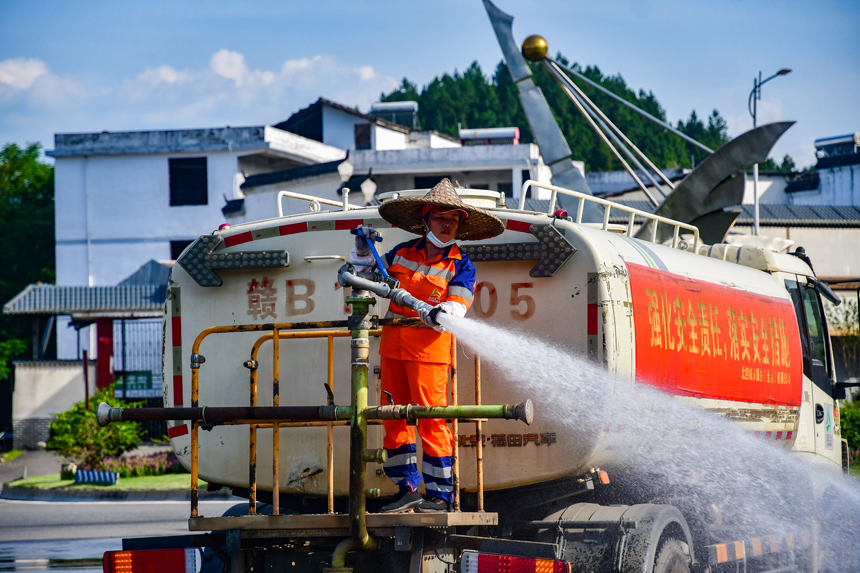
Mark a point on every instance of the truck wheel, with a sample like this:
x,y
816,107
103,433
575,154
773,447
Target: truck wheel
x,y
672,557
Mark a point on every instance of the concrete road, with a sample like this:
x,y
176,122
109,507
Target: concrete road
x,y
35,520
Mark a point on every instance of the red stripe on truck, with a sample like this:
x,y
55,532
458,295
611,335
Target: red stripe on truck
x,y
347,224
176,330
293,228
592,319
520,226
177,390
177,431
238,239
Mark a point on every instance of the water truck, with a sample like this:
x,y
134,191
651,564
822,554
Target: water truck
x,y
272,390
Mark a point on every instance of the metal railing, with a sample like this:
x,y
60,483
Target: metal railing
x,y
315,202
321,330
608,206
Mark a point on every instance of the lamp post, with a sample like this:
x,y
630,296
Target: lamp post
x,y
755,95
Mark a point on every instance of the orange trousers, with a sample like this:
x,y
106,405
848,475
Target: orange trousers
x,y
423,383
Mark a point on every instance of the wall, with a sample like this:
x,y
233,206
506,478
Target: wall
x,y
384,138
129,217
832,250
42,389
771,188
261,203
840,185
338,127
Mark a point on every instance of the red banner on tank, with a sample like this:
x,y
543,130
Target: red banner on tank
x,y
700,339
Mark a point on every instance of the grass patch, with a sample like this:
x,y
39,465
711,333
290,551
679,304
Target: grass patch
x,y
10,455
145,483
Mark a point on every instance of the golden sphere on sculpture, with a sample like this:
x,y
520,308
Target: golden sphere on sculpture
x,y
534,48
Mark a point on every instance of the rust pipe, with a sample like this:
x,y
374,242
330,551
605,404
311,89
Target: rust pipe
x,y
479,444
276,432
330,429
220,414
455,426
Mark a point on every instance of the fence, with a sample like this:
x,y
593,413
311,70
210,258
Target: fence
x,y
137,368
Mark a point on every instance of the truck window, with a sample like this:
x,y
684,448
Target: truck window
x,y
815,325
813,333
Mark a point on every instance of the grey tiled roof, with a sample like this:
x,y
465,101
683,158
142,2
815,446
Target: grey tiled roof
x,y
108,300
151,273
803,215
769,214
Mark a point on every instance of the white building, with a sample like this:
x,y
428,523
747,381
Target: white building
x,y
125,198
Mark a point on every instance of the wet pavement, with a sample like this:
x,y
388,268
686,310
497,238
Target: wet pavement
x,y
42,536
65,555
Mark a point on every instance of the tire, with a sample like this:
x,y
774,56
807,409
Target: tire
x,y
672,557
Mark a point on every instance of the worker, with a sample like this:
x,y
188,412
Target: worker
x,y
415,360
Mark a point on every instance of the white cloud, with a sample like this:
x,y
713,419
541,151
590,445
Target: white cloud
x,y
20,73
293,66
224,90
163,74
230,65
366,72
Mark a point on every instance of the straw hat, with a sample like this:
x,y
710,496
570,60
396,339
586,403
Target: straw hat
x,y
406,213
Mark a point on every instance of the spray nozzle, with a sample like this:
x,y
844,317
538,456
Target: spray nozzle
x,y
434,314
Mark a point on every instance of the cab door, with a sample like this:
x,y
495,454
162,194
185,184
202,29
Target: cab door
x,y
817,367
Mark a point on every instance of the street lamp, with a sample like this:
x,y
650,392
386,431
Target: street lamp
x,y
755,95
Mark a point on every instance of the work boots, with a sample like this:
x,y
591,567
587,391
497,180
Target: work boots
x,y
434,505
402,502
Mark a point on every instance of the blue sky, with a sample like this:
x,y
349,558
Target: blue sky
x,y
106,65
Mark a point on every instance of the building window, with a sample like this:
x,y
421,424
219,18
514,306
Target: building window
x,y
507,189
362,136
480,186
188,182
428,182
176,248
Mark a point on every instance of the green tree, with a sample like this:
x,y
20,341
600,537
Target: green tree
x,y
76,434
787,165
849,422
474,100
27,213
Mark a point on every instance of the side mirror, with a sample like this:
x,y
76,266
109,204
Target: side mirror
x,y
825,291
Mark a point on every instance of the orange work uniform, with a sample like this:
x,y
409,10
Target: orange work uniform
x,y
415,362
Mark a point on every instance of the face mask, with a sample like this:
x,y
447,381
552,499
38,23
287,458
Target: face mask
x,y
435,240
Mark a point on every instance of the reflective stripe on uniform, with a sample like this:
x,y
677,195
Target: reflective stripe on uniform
x,y
407,459
440,489
406,263
461,292
401,467
436,471
428,270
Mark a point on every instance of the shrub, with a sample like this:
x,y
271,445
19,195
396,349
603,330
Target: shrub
x,y
76,435
849,420
150,465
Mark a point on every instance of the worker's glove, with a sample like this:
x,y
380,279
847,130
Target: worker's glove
x,y
453,308
361,244
363,263
360,255
427,314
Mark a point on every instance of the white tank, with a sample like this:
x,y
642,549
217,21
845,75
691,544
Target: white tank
x,y
722,334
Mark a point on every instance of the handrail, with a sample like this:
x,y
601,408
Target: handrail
x,y
609,205
314,201
276,332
